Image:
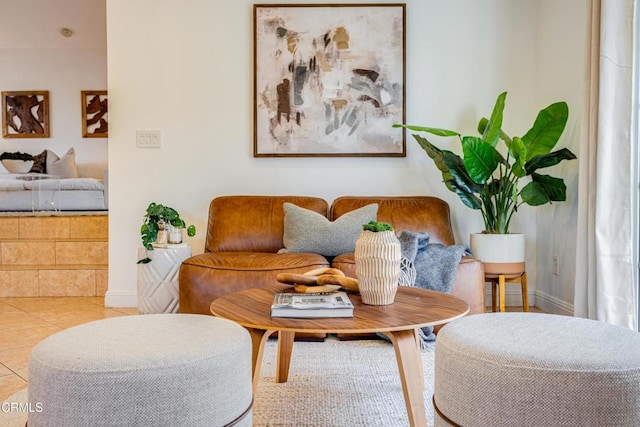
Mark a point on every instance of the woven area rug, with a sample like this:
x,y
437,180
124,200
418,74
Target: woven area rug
x,y
331,384
337,383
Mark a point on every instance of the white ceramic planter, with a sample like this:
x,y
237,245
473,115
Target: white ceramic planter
x,y
377,257
499,253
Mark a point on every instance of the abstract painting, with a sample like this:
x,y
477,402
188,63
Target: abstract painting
x,y
25,114
329,80
95,120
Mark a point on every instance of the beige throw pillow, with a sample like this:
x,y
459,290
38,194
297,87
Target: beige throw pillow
x,y
309,231
64,167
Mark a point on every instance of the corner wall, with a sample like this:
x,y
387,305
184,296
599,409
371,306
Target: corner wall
x,y
562,44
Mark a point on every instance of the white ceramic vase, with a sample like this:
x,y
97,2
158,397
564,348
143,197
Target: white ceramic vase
x,y
377,257
499,253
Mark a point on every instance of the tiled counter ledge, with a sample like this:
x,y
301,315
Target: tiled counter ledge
x,y
53,255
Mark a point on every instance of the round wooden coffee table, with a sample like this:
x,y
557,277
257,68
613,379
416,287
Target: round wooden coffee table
x,y
413,308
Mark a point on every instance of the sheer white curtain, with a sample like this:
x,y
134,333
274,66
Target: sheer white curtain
x,y
605,288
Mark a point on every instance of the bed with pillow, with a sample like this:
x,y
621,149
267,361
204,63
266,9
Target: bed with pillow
x,y
77,191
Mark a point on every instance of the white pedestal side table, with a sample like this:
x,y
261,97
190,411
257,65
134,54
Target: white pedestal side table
x,y
158,279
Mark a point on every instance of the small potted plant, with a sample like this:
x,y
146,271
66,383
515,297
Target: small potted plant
x,y
162,224
378,255
16,162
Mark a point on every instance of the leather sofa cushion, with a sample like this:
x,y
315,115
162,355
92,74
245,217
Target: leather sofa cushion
x,y
412,213
252,223
255,261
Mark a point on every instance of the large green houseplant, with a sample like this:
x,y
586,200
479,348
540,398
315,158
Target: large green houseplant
x,y
487,176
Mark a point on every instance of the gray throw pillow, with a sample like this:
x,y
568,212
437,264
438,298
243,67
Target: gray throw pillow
x,y
309,231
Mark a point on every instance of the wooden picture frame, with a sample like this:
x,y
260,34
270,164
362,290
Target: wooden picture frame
x,y
25,114
95,114
329,80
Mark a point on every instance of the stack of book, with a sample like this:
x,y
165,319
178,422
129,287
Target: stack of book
x,y
312,305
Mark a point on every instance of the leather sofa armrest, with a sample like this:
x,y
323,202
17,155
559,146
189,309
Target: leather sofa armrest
x,y
468,284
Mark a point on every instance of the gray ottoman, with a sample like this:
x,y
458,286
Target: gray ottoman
x,y
152,370
531,369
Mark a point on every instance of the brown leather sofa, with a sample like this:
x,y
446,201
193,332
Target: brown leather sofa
x,y
245,233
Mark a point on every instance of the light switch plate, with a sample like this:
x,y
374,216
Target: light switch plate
x,y
148,139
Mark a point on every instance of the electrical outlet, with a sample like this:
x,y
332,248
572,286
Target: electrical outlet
x,y
555,268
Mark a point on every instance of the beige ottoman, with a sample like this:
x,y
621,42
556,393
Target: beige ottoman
x,y
531,369
147,370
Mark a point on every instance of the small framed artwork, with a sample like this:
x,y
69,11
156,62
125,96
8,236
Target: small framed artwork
x,y
25,114
329,80
95,116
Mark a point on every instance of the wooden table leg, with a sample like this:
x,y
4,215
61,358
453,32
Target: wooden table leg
x,y
410,368
419,345
258,339
285,347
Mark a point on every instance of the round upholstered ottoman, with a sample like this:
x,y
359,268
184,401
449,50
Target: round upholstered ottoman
x,y
531,369
147,370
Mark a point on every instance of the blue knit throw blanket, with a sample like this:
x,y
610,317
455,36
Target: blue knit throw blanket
x,y
435,265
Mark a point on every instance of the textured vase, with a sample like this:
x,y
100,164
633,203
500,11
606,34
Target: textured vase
x,y
377,258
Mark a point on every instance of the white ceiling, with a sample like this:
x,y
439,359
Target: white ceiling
x,y
36,24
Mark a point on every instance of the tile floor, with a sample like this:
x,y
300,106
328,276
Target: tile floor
x,y
24,322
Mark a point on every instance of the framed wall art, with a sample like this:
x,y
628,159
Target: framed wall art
x,y
329,80
25,114
95,117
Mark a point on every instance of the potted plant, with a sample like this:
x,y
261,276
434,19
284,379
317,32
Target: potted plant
x,y
377,256
488,178
164,221
16,162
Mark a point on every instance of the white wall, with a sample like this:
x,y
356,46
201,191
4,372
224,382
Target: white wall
x,y
561,73
187,71
34,56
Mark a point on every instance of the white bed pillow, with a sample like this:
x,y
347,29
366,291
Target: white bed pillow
x,y
65,166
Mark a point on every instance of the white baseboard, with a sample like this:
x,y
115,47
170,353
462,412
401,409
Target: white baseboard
x,y
553,305
120,299
545,302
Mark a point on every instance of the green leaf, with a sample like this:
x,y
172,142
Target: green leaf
x,y
433,131
480,158
543,189
191,231
436,155
468,198
492,132
547,160
546,130
459,173
518,151
533,194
